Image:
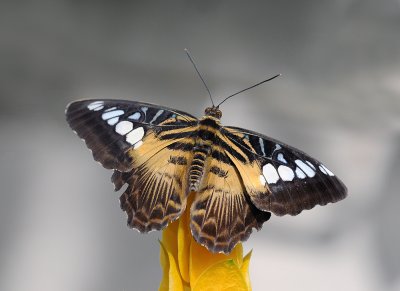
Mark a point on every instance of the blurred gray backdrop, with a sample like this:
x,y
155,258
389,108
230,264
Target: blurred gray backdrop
x,y
61,227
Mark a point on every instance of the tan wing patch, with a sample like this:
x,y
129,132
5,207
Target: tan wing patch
x,y
250,173
152,143
221,215
157,187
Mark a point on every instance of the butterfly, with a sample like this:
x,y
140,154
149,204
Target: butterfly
x,y
239,177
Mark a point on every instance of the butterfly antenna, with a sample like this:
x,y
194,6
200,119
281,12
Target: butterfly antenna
x,y
198,73
241,91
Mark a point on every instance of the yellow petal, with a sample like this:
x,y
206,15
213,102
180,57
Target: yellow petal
x,y
184,240
201,259
222,276
169,238
244,269
165,268
171,278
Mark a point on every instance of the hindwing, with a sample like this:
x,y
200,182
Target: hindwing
x,y
280,178
157,189
221,214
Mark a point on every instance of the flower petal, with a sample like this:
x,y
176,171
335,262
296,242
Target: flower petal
x,y
222,276
184,241
244,269
171,278
165,268
201,259
169,238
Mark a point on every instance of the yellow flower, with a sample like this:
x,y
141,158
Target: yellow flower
x,y
188,266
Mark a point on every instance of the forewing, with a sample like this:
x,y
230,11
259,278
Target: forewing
x,y
221,214
111,128
280,178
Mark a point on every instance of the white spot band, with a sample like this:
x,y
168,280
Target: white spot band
x,y
159,112
111,114
135,135
281,158
135,116
270,173
286,173
96,105
326,171
123,127
305,168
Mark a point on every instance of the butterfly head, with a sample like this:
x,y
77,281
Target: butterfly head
x,y
213,111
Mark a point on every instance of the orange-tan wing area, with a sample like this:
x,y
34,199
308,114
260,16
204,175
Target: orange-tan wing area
x,y
222,214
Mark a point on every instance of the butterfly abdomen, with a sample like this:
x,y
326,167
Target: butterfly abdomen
x,y
196,170
206,137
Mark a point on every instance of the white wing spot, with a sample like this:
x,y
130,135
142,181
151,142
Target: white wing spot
x,y
286,173
123,127
262,180
327,171
98,108
261,142
159,112
270,173
113,121
306,168
300,174
135,135
277,148
311,165
96,105
111,114
110,109
138,144
282,158
135,116
323,170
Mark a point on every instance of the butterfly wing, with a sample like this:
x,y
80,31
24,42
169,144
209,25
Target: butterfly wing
x,y
143,143
157,189
280,178
221,214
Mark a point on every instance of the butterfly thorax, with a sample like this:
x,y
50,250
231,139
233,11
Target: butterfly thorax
x,y
206,135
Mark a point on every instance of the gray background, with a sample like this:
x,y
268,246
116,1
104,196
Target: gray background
x,y
338,99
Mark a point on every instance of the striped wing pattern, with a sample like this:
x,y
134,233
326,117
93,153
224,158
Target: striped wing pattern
x,y
239,177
